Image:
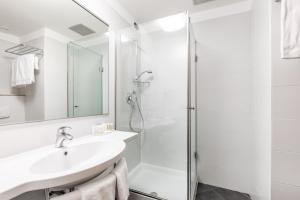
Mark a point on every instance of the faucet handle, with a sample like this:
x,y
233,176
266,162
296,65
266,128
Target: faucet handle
x,y
63,130
62,135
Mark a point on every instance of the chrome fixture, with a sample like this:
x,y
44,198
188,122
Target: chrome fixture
x,y
62,135
136,26
133,101
22,49
139,82
137,78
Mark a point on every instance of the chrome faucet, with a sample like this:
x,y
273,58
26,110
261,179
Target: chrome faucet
x,y
62,135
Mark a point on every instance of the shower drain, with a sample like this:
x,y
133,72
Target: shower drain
x,y
154,194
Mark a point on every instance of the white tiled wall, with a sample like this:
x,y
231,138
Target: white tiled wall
x,y
284,191
234,120
225,138
11,106
285,119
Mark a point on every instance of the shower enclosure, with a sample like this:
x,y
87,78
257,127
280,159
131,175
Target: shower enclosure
x,y
156,97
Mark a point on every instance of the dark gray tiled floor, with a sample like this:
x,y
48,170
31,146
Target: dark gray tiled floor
x,y
207,192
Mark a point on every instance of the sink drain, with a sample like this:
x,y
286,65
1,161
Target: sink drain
x,y
154,194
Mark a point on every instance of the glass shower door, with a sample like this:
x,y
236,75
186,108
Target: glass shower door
x,y
84,81
158,72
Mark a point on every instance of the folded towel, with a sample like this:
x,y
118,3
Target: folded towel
x,y
76,195
36,62
290,29
22,71
121,172
103,189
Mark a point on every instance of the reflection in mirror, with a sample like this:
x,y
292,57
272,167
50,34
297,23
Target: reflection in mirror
x,y
53,61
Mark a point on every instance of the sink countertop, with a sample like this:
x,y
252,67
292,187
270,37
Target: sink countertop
x,y
16,176
117,135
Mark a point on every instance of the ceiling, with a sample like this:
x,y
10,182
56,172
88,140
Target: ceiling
x,y
27,16
147,10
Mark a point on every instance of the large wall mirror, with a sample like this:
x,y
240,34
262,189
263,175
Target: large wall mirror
x,y
53,61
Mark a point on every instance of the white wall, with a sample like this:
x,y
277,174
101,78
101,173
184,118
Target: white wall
x,y
261,83
285,119
234,97
11,105
55,79
224,102
35,99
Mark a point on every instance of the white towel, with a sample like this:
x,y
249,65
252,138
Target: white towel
x,y
103,189
290,29
121,172
36,62
22,71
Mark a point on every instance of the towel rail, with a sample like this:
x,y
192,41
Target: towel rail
x,y
22,49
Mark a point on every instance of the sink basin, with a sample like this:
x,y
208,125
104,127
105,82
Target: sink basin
x,y
72,157
50,167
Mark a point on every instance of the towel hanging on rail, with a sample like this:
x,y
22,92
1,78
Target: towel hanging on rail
x,y
22,70
290,29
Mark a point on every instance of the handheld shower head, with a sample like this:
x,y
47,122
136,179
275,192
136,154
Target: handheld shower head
x,y
142,73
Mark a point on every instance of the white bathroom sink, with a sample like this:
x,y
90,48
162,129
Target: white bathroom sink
x,y
73,157
49,167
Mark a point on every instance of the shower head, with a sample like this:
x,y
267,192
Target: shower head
x,y
142,73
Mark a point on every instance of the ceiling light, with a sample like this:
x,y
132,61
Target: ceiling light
x,y
124,39
106,34
173,22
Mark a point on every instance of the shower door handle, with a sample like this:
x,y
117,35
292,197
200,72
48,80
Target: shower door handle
x,y
191,108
